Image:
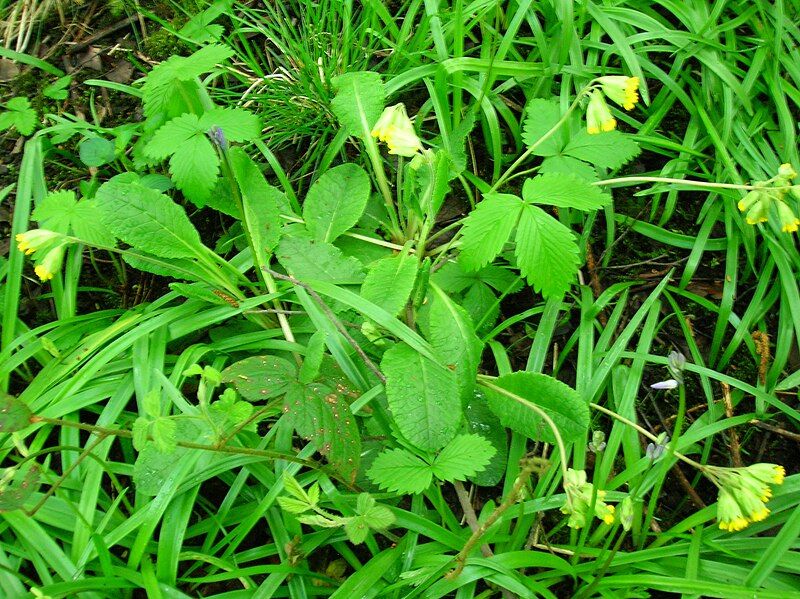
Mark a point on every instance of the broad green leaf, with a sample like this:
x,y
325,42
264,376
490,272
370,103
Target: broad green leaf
x,y
400,471
566,408
148,220
96,151
540,116
152,466
480,302
194,167
260,201
359,101
163,432
564,191
487,228
336,201
140,431
546,252
15,414
173,134
175,268
60,211
610,149
306,259
17,485
568,166
379,517
389,282
18,114
260,377
482,421
464,456
452,335
322,415
423,397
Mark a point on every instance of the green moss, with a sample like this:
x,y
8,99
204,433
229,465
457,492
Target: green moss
x,y
162,44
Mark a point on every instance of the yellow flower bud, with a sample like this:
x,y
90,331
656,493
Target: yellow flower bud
x,y
598,115
50,263
396,130
789,221
34,240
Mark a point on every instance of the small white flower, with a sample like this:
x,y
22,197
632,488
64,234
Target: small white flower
x,y
665,385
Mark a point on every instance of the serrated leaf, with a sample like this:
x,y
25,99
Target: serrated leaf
x,y
260,377
360,98
380,517
390,281
423,397
487,229
96,151
482,421
322,415
464,456
16,489
546,252
400,471
163,432
148,220
58,89
194,167
171,135
568,165
261,201
452,336
292,505
610,149
336,201
364,502
313,494
540,116
568,410
482,306
53,212
293,487
357,529
164,81
237,124
151,403
18,114
564,191
15,414
306,259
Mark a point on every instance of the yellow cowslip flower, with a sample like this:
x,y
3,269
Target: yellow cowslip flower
x,y
786,171
579,497
35,239
396,130
621,89
598,115
789,220
743,493
50,263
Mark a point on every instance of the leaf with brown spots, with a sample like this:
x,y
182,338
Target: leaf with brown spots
x,y
260,377
17,485
321,414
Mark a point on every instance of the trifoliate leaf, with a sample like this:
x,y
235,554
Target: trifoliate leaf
x,y
163,432
464,456
60,211
18,113
237,124
610,149
58,89
359,101
423,397
389,282
336,201
546,252
566,408
322,415
140,430
400,471
172,134
487,228
564,191
570,166
357,528
96,151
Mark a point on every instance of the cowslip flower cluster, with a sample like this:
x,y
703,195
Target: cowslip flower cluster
x,y
396,130
743,493
579,500
47,248
619,89
758,202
